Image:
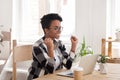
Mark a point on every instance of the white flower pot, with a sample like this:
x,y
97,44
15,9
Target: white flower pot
x,y
103,68
117,36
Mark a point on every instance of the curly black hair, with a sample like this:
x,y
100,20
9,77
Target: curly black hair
x,y
48,18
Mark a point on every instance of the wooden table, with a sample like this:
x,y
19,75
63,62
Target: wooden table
x,y
113,74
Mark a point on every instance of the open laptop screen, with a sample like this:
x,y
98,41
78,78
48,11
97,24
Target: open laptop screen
x,y
86,62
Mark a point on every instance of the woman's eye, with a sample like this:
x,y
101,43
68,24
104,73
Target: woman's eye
x,y
55,28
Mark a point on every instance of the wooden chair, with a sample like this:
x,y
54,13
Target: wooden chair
x,y
20,53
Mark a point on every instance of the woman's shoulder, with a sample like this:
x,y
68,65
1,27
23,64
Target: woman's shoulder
x,y
38,42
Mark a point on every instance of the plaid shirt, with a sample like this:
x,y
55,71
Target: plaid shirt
x,y
42,64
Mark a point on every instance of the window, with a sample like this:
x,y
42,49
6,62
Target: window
x,y
30,20
66,8
29,27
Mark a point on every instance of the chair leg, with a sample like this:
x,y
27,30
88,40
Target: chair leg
x,y
14,71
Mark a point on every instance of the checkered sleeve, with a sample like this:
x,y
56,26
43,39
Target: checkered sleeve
x,y
41,54
67,58
42,63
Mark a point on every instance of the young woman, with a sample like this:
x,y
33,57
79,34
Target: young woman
x,y
49,53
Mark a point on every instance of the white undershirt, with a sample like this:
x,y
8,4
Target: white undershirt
x,y
57,60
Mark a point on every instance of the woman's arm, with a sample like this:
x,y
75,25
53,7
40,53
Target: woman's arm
x,y
41,54
68,58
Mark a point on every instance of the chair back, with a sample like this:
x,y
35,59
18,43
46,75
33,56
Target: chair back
x,y
20,53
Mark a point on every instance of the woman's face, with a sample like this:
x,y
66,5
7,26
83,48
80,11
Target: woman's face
x,y
54,30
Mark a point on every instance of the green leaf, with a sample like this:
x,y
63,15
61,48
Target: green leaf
x,y
83,50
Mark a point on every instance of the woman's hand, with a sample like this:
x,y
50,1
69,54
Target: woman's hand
x,y
50,46
74,42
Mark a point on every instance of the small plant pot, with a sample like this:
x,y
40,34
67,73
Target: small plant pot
x,y
117,36
103,68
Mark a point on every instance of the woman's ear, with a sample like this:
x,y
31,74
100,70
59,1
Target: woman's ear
x,y
46,31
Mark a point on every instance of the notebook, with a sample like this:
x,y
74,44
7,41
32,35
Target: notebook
x,y
86,62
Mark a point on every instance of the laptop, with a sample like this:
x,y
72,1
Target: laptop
x,y
86,62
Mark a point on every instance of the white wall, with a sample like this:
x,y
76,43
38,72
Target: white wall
x,y
5,24
6,13
91,22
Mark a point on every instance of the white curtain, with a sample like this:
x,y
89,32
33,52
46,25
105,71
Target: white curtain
x,y
113,17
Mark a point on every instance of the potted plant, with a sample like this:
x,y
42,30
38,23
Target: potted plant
x,y
83,50
102,63
102,58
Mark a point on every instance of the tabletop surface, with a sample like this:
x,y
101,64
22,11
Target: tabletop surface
x,y
112,74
